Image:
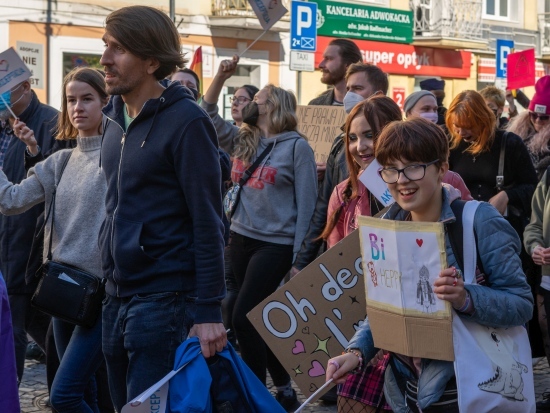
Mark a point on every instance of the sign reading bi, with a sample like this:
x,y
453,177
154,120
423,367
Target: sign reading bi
x,y
303,26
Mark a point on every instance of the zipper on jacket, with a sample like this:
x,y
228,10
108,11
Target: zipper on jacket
x,y
112,229
116,207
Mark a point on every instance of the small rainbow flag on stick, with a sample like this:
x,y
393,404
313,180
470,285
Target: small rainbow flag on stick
x,y
196,66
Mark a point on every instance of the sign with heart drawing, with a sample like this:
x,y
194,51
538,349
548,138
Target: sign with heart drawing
x,y
403,260
312,317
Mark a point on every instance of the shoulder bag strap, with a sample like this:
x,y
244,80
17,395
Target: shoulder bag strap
x,y
455,231
469,241
51,209
248,173
500,176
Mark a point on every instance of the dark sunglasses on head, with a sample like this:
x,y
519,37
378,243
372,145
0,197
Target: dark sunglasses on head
x,y
542,118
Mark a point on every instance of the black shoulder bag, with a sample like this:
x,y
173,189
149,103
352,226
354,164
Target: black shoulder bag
x,y
64,291
233,194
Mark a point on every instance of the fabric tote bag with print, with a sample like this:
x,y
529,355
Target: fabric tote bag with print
x,y
493,366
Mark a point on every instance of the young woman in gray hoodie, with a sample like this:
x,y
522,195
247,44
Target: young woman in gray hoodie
x,y
271,218
79,212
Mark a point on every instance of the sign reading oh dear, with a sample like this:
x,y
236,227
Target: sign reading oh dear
x,y
303,26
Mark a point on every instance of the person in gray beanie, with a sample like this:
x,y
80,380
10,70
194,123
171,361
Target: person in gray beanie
x,y
421,103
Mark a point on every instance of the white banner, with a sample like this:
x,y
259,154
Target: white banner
x,y
12,70
268,12
375,184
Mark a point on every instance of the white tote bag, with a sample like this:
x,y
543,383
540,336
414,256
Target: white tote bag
x,y
493,366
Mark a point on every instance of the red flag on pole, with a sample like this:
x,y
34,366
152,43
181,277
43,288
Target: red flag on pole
x,y
196,66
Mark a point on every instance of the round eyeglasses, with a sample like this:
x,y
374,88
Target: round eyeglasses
x,y
412,172
240,100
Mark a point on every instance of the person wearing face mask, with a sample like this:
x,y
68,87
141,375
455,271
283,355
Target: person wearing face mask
x,y
17,232
227,132
495,99
437,87
349,199
270,220
362,81
423,104
186,77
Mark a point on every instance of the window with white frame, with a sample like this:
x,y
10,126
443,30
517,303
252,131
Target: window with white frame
x,y
500,9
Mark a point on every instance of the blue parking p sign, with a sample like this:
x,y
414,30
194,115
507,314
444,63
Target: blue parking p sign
x,y
503,49
303,26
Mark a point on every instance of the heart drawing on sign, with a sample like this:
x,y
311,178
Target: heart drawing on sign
x,y
419,242
298,347
316,369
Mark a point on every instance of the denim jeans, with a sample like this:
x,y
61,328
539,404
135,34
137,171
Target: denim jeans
x,y
140,336
79,350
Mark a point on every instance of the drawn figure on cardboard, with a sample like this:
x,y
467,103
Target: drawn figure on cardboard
x,y
424,293
373,276
507,380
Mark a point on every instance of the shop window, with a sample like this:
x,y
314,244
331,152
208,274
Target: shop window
x,y
500,9
72,60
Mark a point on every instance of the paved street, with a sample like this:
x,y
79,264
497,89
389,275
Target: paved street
x,y
33,390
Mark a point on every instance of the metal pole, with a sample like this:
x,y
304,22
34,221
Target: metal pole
x,y
173,10
299,87
48,36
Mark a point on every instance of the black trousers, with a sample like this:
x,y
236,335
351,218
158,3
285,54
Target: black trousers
x,y
259,268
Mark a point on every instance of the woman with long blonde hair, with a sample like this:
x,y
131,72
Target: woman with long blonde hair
x,y
270,219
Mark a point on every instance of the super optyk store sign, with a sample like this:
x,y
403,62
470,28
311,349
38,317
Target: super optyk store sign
x,y
403,59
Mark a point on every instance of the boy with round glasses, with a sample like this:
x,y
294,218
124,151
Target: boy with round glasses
x,y
413,156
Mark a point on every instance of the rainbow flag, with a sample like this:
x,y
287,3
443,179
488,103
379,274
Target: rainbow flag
x,y
196,66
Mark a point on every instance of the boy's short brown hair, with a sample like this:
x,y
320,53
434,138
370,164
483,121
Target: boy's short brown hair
x,y
413,140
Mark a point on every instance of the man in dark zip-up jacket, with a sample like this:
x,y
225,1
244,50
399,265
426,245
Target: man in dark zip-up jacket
x,y
162,239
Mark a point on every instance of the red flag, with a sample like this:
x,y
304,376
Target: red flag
x,y
521,69
196,66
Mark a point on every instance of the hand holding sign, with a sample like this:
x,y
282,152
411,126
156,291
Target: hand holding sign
x,y
228,68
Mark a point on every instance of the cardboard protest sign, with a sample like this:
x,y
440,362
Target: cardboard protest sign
x,y
401,262
268,12
375,184
521,69
321,125
12,70
312,317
